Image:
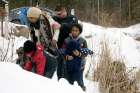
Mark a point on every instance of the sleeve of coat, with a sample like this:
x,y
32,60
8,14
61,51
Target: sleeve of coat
x,y
56,34
40,64
55,26
85,44
28,66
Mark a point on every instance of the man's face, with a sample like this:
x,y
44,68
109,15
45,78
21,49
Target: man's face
x,y
61,14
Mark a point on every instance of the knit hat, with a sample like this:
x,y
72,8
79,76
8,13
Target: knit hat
x,y
29,46
33,12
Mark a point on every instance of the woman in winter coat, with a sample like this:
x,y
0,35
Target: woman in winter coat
x,y
34,57
43,28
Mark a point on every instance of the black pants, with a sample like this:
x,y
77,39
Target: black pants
x,y
51,65
61,68
76,76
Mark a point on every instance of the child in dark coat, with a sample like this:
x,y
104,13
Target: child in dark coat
x,y
73,61
75,31
75,50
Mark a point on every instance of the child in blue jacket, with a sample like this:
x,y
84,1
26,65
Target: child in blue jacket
x,y
73,62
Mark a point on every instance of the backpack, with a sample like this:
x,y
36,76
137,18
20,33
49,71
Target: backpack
x,y
24,10
51,64
50,67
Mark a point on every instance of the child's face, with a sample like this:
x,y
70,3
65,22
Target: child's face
x,y
75,32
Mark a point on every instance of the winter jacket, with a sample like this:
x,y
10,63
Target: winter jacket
x,y
84,51
82,41
73,66
65,27
48,29
74,72
39,59
83,44
55,26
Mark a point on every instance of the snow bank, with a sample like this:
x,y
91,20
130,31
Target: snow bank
x,y
10,43
16,80
132,31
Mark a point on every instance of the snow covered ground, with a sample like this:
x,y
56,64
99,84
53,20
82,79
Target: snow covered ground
x,y
16,80
122,43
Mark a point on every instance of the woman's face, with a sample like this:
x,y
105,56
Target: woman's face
x,y
32,19
75,32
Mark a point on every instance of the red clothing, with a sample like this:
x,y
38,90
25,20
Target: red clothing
x,y
39,59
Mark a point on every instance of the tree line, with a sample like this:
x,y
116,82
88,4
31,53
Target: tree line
x,y
103,12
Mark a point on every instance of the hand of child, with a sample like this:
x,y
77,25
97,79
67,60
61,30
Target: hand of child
x,y
69,57
76,53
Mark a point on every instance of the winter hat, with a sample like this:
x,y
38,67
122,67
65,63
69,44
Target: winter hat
x,y
79,26
33,12
29,46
